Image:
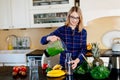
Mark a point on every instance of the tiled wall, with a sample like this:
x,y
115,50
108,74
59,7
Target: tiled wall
x,y
34,34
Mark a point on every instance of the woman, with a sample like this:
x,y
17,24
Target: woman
x,y
73,35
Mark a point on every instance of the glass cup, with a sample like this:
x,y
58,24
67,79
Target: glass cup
x,y
33,69
35,66
31,63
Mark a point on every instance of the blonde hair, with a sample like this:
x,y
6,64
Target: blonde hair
x,y
78,10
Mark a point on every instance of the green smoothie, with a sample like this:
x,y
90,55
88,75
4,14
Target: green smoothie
x,y
55,48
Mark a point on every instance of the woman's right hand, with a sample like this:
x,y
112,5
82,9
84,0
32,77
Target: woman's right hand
x,y
52,38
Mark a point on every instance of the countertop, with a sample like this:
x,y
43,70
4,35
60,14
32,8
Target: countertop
x,y
36,52
15,51
109,53
6,74
104,53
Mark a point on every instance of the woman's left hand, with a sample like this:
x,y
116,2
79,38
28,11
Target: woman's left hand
x,y
74,63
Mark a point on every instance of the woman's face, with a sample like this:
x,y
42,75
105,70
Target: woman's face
x,y
74,19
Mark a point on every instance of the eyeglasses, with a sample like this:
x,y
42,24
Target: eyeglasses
x,y
72,17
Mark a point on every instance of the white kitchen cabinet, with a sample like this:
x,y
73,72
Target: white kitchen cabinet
x,y
13,57
14,14
20,13
5,14
49,13
45,18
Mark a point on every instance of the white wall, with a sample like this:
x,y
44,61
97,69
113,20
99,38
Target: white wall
x,y
99,8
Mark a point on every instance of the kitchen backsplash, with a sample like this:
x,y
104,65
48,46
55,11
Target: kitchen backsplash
x,y
34,34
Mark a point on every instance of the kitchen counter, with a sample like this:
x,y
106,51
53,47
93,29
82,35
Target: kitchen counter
x,y
110,53
36,52
6,74
106,53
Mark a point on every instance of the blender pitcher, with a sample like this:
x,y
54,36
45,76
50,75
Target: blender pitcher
x,y
55,48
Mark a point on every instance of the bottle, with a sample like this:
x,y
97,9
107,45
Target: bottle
x,y
10,47
68,66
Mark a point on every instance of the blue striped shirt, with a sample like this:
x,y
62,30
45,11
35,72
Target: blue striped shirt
x,y
75,42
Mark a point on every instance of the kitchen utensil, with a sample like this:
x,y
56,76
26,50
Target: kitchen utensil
x,y
64,2
55,48
116,44
55,2
114,63
108,37
45,3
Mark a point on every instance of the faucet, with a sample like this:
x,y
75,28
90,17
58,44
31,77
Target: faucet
x,y
12,41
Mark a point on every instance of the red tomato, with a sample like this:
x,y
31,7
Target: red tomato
x,y
44,66
23,73
14,73
23,68
16,69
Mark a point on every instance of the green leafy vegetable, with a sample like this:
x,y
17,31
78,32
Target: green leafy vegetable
x,y
82,69
48,69
100,72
